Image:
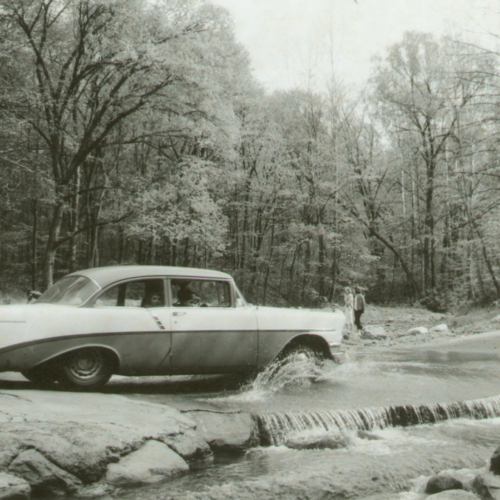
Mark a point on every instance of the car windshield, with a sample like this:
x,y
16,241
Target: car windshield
x,y
70,291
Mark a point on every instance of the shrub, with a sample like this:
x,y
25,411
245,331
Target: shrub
x,y
433,303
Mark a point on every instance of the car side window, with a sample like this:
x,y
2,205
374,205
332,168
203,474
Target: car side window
x,y
200,293
137,293
109,298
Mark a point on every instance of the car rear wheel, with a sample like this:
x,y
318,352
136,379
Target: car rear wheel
x,y
86,369
41,376
292,358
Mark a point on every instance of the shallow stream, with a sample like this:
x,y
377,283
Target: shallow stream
x,y
378,392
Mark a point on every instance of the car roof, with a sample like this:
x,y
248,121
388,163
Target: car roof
x,y
104,276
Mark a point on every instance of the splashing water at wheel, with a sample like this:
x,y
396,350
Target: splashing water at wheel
x,y
295,369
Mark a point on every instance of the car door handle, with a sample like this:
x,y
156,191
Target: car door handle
x,y
178,313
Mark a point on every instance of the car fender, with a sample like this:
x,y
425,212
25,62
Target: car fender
x,y
279,327
31,335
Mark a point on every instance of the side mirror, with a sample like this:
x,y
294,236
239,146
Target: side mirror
x,y
239,302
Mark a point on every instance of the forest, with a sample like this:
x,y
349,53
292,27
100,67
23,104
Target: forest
x,y
134,132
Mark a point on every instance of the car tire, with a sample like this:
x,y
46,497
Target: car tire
x,y
41,376
86,369
301,352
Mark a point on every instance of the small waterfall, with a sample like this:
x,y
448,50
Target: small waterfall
x,y
276,427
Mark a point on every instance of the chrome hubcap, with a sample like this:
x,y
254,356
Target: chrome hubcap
x,y
85,364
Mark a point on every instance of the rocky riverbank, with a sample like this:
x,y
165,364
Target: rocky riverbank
x,y
59,443
408,326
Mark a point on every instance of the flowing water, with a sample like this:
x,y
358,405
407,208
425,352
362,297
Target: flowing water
x,y
378,424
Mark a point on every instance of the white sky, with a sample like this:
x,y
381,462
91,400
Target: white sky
x,y
291,39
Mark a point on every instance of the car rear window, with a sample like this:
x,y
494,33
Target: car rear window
x,y
70,291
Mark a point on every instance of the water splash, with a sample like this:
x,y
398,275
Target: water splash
x,y
275,428
293,371
290,371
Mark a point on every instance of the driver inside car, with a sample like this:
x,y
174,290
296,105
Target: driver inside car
x,y
186,298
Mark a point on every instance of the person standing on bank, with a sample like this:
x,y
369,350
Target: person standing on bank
x,y
359,307
349,309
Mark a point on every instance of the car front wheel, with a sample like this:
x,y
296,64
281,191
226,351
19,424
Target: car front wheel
x,y
86,369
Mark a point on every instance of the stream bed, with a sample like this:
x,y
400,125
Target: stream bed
x,y
378,453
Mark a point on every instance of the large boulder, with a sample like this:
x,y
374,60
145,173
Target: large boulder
x,y
13,487
151,463
442,482
227,432
484,484
189,445
44,477
79,434
83,450
373,332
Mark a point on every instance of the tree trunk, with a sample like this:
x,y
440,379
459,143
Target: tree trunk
x,y
52,245
34,246
75,222
321,266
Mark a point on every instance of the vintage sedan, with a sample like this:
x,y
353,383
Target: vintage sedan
x,y
153,320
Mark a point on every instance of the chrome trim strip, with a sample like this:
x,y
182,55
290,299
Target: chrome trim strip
x,y
158,322
156,332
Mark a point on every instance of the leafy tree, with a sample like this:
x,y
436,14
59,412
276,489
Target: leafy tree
x,y
422,102
92,65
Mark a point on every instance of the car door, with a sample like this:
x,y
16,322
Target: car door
x,y
135,310
209,333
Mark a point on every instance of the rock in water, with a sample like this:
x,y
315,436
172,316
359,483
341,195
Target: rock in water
x,y
317,442
151,463
373,332
481,487
437,484
495,462
227,432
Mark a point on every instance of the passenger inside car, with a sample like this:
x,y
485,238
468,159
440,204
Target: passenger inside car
x,y
153,300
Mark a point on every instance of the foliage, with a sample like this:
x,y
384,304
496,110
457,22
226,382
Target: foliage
x,y
133,132
433,303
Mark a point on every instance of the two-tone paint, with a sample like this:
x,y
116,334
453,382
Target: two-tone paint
x,y
162,340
